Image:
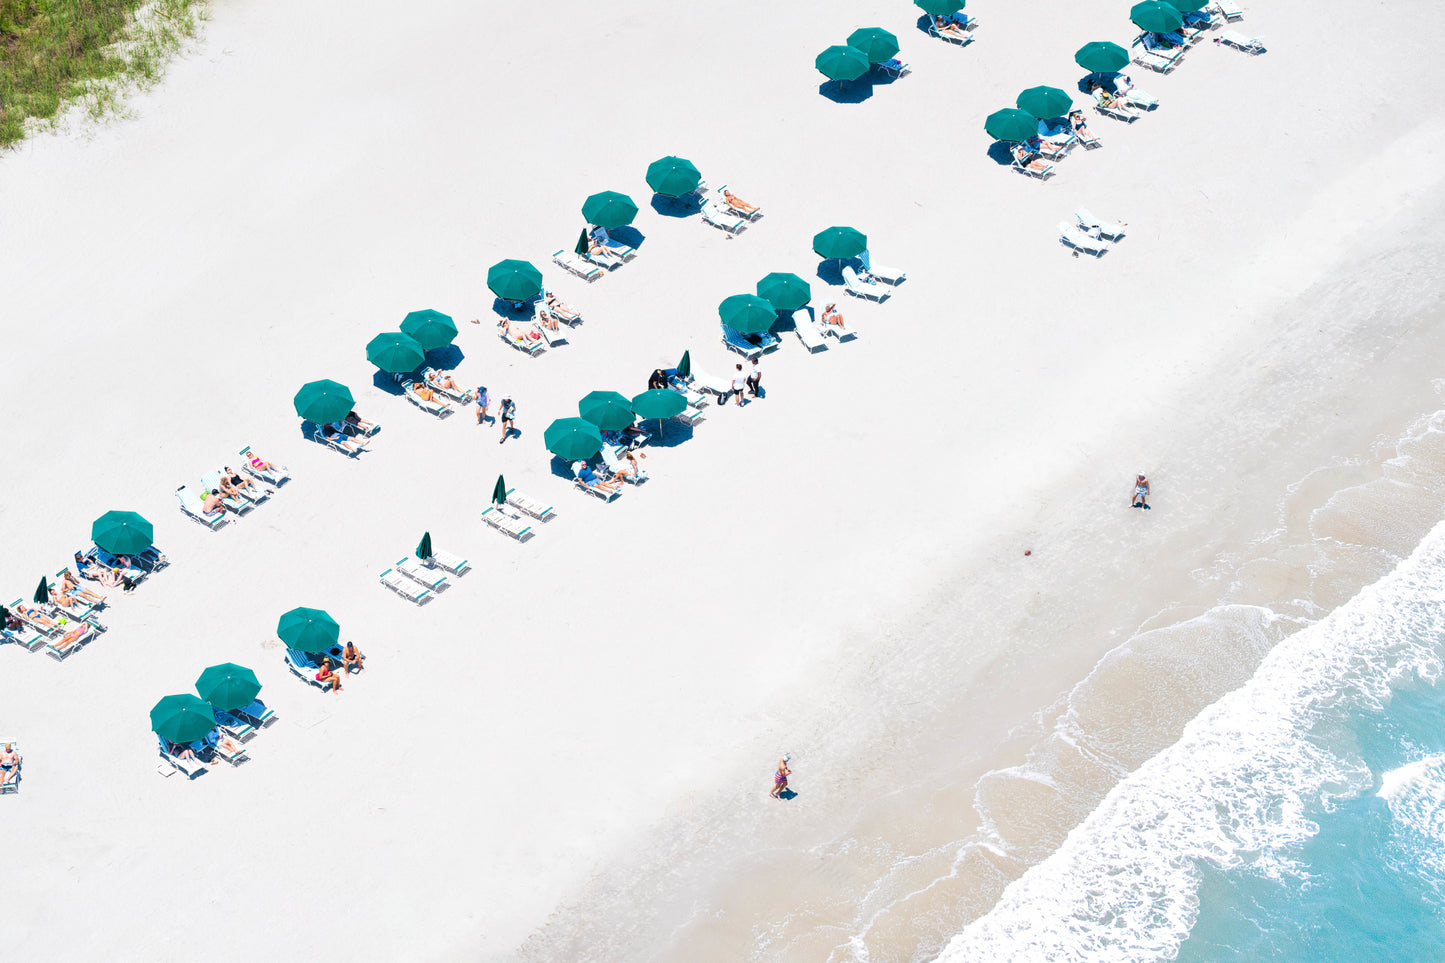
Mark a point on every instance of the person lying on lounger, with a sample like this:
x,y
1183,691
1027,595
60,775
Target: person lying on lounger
x,y
93,570
337,436
351,658
519,332
328,676
831,315
443,381
949,26
217,739
239,481
181,751
422,391
63,599
560,308
70,586
546,320
738,204
591,479
633,467
1081,128
360,423
260,464
35,616
1030,160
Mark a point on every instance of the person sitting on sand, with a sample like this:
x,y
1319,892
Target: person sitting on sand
x,y
560,308
351,658
1140,498
9,764
327,676
738,204
335,434
70,586
590,479
1030,160
443,381
949,26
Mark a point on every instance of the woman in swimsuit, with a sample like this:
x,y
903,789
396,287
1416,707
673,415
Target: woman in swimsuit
x,y
326,676
238,481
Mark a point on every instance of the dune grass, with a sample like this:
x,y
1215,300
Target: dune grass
x,y
55,53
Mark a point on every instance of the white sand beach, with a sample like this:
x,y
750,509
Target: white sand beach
x,y
566,754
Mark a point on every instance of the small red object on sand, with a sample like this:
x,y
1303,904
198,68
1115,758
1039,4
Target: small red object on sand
x,y
1028,551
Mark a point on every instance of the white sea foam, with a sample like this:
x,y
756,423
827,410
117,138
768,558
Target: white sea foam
x,y
1415,794
1236,788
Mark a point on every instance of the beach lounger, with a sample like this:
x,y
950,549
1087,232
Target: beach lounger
x,y
133,571
211,482
193,506
81,609
1025,165
1250,45
1230,10
257,714
446,560
303,667
880,272
533,346
694,399
597,490
966,22
439,408
404,587
1111,107
506,522
254,497
719,197
333,443
1089,221
712,383
613,246
233,725
537,509
840,331
234,758
807,331
727,221
191,767
553,338
1056,149
570,317
893,68
614,465
273,477
27,636
1156,59
574,264
857,287
1080,241
690,415
745,347
413,569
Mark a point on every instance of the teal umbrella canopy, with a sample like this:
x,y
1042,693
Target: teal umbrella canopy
x,y
1187,6
430,329
785,292
423,547
308,630
1102,57
673,176
840,242
228,686
1045,102
747,313
1011,124
122,533
514,280
394,352
323,401
659,403
182,718
684,367
939,8
572,438
1156,16
609,210
841,62
608,410
876,43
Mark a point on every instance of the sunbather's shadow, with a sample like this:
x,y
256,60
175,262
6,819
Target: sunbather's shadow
x,y
1002,153
387,382
448,357
629,235
847,91
830,271
675,206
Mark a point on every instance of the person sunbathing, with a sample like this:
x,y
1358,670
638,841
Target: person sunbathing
x,y
259,463
443,381
518,332
590,479
9,621
738,204
35,616
832,316
597,249
226,489
360,423
327,676
949,26
351,658
546,320
217,739
336,436
1081,128
70,586
1048,148
422,391
560,308
633,467
62,599
181,751
1030,161
211,504
93,570
240,482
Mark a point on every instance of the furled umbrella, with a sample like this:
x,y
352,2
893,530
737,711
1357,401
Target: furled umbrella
x,y
785,292
673,176
841,62
499,491
122,533
659,403
42,592
1011,124
1045,102
608,410
308,630
581,247
423,547
747,313
939,8
876,43
572,439
323,401
609,210
182,718
431,329
1102,57
395,352
228,686
513,280
1156,16
840,242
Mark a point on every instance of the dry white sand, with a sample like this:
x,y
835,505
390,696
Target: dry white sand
x,y
317,169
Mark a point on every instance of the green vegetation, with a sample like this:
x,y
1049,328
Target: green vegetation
x,y
57,52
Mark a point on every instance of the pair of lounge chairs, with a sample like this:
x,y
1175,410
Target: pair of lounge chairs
x,y
303,665
57,632
432,406
539,510
1232,38
859,288
722,218
958,28
1229,10
720,200
509,522
318,435
1155,54
522,335
191,768
574,264
1090,234
414,580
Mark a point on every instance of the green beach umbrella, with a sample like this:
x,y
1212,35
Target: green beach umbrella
x,y
609,210
747,313
673,176
608,410
659,403
42,591
1156,16
514,280
122,533
423,547
431,329
1102,57
1045,102
939,8
841,62
182,718
572,438
1187,6
785,292
228,686
876,43
841,242
308,630
499,491
1011,124
394,352
684,367
323,401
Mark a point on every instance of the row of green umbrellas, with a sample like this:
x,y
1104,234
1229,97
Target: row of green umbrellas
x,y
186,718
405,349
865,47
581,437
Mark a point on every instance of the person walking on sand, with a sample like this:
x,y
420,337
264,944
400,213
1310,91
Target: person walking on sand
x,y
484,401
506,415
755,377
1140,498
780,778
740,382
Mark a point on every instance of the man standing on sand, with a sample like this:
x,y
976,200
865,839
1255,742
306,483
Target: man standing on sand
x,y
506,414
780,778
1140,498
9,763
755,377
740,382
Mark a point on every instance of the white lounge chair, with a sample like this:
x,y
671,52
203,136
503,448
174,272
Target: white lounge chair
x,y
1080,241
452,563
533,346
537,509
335,444
233,725
962,20
574,264
840,331
132,571
711,383
857,287
1230,10
1112,107
553,338
807,331
27,636
439,408
460,395
257,714
505,522
615,466
614,247
273,477
727,221
421,574
881,272
211,481
235,758
1090,221
404,586
893,68
191,767
740,343
193,506
1250,45
720,199
68,637
570,316
1030,163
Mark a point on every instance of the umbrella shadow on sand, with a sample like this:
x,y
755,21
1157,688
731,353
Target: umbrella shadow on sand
x,y
847,91
447,358
675,206
386,381
629,235
1002,153
830,271
562,468
510,310
671,433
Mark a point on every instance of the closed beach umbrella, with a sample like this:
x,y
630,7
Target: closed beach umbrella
x,y
581,246
1156,16
394,352
122,533
572,438
608,410
842,242
1102,57
785,292
228,686
684,367
939,8
609,210
659,403
514,280
1011,124
42,591
323,401
308,630
431,329
747,313
876,43
182,718
673,176
499,491
841,62
423,547
1045,102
